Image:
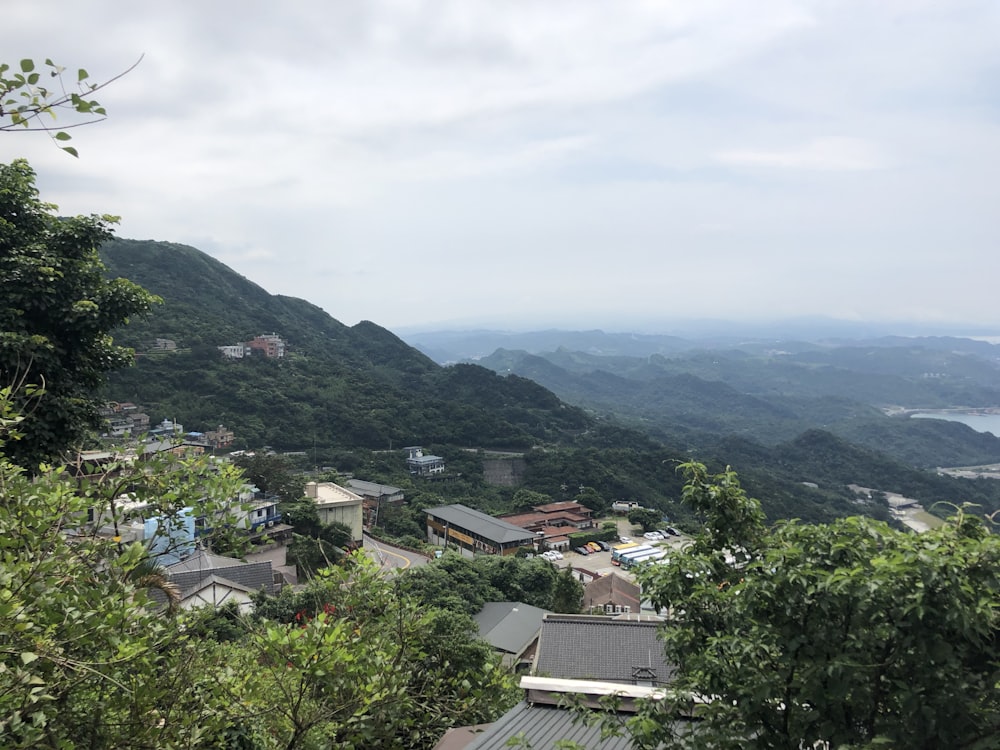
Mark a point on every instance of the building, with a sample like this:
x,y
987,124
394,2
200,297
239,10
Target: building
x,y
221,437
207,579
269,344
376,496
612,594
470,532
420,465
235,351
609,649
511,628
336,504
553,522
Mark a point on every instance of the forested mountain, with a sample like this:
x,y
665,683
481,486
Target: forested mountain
x,y
337,386
360,387
771,395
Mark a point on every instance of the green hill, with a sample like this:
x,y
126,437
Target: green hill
x,y
347,386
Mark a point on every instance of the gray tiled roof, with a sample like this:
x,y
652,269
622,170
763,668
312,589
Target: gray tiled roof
x,y
542,726
479,523
201,565
601,648
509,626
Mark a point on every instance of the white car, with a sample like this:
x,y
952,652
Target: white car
x,y
653,535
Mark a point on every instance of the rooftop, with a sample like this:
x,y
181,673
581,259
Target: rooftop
x,y
479,523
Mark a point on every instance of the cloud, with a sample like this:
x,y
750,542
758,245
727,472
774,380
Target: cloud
x,y
822,154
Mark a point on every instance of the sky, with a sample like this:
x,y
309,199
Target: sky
x,y
532,164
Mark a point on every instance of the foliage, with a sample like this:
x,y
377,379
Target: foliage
x,y
359,663
459,584
647,518
567,592
313,552
849,633
271,474
56,315
79,635
24,100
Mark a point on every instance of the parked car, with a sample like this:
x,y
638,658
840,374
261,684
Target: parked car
x,y
557,555
672,531
604,546
582,550
593,546
653,535
625,539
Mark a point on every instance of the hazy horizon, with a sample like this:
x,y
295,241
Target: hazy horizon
x,y
549,164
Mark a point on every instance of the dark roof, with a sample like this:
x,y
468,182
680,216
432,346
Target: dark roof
x,y
199,566
542,726
611,588
485,526
509,626
587,647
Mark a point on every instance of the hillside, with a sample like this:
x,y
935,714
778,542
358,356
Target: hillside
x,y
337,386
772,395
348,388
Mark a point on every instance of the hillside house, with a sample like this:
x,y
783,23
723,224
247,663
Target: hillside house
x,y
270,345
612,594
336,504
421,465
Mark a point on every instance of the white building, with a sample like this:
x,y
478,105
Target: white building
x,y
336,504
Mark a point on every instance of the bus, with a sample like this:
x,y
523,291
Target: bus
x,y
625,549
642,549
632,562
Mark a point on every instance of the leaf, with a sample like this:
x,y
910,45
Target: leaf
x,y
28,656
70,150
81,75
27,65
60,136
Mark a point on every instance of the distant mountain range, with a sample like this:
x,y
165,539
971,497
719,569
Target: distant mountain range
x,y
609,411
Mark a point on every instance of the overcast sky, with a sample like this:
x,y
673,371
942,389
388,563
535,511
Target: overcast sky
x,y
530,164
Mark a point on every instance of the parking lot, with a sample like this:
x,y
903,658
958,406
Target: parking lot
x,y
600,562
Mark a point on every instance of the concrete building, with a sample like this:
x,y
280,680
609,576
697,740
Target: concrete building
x,y
421,465
336,504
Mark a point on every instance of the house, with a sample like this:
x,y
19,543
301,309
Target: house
x,y
511,628
607,649
420,465
269,344
207,579
336,504
580,660
376,496
471,531
221,437
553,522
612,594
235,351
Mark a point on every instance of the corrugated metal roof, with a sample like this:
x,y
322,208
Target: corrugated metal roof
x,y
485,526
541,727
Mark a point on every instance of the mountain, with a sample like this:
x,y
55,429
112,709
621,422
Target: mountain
x,y
343,388
347,386
772,392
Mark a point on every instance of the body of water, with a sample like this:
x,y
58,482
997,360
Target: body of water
x,y
979,422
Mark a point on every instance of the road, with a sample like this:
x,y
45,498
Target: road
x,y
392,557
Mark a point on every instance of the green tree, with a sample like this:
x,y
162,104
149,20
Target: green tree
x,y
647,518
56,315
326,547
271,473
86,657
567,592
25,102
849,633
